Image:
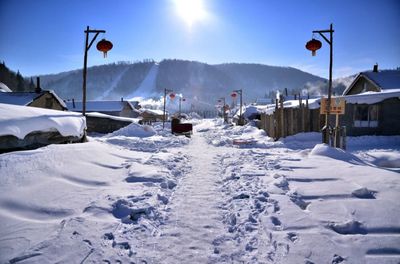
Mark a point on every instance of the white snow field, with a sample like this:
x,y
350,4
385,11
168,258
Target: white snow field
x,y
226,195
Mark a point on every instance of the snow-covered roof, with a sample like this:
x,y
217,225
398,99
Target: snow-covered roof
x,y
4,88
18,98
372,97
99,106
119,118
385,79
152,111
25,98
19,121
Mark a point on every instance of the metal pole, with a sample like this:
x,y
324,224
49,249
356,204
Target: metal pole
x,y
325,133
330,75
84,72
180,105
87,47
241,103
165,94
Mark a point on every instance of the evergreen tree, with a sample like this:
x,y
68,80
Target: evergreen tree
x,y
31,85
20,82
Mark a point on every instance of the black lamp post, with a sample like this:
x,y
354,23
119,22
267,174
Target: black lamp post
x,y
164,115
325,132
241,103
87,47
180,104
223,109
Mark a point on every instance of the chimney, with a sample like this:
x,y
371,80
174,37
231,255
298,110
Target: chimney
x,y
38,89
375,68
122,99
73,102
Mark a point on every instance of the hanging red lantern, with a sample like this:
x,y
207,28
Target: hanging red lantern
x,y
104,46
233,95
171,96
313,45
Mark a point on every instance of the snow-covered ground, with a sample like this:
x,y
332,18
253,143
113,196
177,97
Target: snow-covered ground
x,y
227,195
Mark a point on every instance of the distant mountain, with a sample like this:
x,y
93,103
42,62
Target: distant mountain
x,y
201,81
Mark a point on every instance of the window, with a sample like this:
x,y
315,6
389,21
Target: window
x,y
366,115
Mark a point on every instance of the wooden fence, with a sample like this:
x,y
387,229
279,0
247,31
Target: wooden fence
x,y
289,121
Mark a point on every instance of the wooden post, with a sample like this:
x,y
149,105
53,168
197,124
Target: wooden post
x,y
292,122
85,71
87,47
337,133
276,120
282,119
165,94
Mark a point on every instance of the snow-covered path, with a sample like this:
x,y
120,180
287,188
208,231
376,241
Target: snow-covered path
x,y
125,198
194,215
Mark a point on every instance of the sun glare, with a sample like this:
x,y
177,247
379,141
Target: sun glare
x,y
190,11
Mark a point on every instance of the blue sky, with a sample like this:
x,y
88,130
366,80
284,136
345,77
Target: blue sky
x,y
46,36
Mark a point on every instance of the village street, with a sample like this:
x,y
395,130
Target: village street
x,y
159,198
195,217
241,204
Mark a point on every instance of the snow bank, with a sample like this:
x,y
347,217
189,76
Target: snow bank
x,y
19,121
134,130
220,134
334,153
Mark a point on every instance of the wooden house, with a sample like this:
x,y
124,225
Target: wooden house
x,y
39,98
373,103
114,108
372,108
150,115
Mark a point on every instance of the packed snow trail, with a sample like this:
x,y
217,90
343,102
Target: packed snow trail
x,y
194,218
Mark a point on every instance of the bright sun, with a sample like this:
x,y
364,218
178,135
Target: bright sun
x,y
190,11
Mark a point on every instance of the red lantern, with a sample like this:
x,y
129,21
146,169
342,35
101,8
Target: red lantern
x,y
171,96
313,45
104,46
233,95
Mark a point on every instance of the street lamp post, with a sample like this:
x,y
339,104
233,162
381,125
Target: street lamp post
x,y
325,132
164,115
87,47
241,104
180,104
223,109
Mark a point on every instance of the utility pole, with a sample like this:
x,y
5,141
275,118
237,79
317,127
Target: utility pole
x,y
87,47
164,114
241,104
325,132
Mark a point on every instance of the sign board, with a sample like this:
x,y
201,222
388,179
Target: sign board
x,y
338,106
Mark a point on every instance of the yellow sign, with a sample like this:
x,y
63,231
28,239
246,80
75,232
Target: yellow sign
x,y
338,106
